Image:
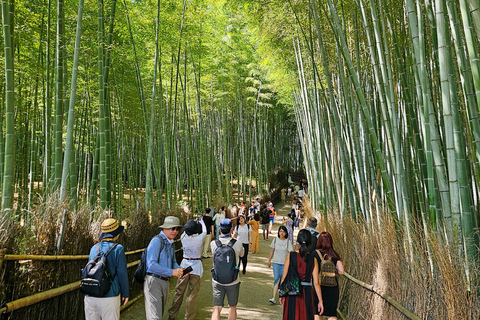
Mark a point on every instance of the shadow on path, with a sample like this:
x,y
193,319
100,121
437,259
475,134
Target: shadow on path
x,y
255,289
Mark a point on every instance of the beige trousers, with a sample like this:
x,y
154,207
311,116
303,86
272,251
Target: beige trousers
x,y
206,244
193,282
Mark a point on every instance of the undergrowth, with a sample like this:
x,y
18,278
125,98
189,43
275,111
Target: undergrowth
x,y
39,236
432,286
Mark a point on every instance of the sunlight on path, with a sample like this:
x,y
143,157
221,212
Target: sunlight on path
x,y
255,289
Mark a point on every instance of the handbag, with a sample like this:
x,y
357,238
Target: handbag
x,y
291,284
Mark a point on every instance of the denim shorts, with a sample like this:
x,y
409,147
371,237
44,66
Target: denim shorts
x,y
277,272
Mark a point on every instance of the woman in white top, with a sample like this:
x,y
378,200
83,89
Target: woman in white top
x,y
280,248
242,234
217,218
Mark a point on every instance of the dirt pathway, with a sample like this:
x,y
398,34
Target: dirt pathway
x,y
255,289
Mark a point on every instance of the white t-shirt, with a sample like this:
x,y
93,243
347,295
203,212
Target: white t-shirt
x,y
243,233
282,248
218,217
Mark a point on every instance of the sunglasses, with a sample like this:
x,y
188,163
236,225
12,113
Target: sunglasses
x,y
175,228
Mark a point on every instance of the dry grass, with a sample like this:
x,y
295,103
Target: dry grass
x,y
380,256
23,278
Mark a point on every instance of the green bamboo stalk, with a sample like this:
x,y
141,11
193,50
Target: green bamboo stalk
x,y
148,183
69,148
9,163
59,84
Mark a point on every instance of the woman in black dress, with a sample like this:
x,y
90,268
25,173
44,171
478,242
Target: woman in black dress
x,y
330,295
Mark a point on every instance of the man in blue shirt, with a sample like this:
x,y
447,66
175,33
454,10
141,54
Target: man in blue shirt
x,y
161,265
108,306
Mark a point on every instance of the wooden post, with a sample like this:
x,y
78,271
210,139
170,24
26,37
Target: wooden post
x,y
2,256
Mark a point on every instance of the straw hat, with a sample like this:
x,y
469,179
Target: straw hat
x,y
110,229
170,222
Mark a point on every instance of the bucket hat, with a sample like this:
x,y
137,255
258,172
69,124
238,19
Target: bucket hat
x,y
170,222
193,227
110,229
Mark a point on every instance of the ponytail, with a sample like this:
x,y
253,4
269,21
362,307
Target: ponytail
x,y
304,238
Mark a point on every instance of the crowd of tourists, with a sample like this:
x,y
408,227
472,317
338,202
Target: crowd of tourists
x,y
305,269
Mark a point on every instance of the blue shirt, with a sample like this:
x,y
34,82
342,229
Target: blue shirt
x,y
167,262
117,265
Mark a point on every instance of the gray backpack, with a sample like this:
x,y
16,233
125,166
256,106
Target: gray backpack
x,y
224,269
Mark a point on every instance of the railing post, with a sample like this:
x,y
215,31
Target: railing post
x,y
2,256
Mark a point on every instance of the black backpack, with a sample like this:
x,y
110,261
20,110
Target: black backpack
x,y
96,279
313,243
224,268
141,271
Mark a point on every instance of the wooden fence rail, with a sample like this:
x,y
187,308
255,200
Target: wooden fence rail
x,y
407,313
52,293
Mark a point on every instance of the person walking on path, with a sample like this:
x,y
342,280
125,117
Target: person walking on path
x,y
254,237
231,289
302,307
280,247
242,234
289,222
217,218
208,221
330,294
272,215
161,265
108,306
192,242
265,220
312,227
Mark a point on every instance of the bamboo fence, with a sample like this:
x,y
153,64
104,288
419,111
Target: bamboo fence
x,y
38,297
52,293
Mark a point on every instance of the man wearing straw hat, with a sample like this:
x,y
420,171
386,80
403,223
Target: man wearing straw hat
x,y
161,266
108,306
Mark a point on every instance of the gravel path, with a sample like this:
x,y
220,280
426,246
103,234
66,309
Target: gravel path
x,y
255,289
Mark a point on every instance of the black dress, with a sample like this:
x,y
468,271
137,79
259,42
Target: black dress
x,y
330,295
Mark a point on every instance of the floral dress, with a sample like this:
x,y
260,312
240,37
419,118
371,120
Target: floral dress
x,y
289,226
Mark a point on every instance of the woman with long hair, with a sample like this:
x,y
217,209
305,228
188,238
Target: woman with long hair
x,y
242,234
330,295
303,306
280,248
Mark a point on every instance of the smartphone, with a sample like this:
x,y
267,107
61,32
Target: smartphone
x,y
187,270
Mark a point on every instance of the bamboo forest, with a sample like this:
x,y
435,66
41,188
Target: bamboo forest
x,y
141,109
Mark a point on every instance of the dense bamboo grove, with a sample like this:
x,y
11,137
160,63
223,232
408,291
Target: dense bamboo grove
x,y
387,104
142,101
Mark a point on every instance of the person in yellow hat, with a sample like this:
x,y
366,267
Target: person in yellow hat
x,y
108,306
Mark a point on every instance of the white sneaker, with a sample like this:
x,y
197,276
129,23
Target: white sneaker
x,y
272,301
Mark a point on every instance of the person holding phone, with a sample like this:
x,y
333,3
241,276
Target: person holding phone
x,y
192,242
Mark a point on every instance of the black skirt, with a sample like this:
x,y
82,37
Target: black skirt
x,y
330,296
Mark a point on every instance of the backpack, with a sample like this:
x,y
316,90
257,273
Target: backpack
x,y
96,279
328,275
141,271
224,269
313,243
